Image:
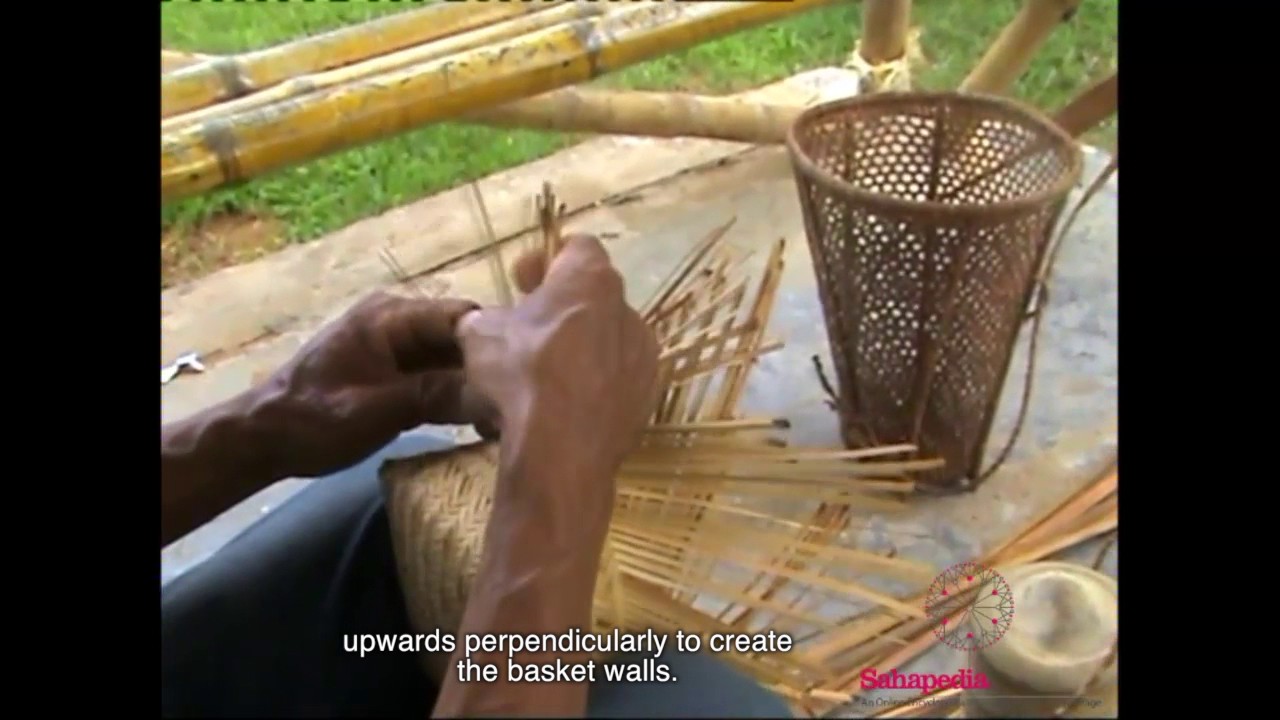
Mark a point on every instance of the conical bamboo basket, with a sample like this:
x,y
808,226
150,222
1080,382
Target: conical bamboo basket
x,y
718,526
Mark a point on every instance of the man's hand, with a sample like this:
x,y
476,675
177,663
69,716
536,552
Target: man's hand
x,y
571,365
571,370
388,365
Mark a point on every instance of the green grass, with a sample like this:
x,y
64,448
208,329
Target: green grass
x,y
329,193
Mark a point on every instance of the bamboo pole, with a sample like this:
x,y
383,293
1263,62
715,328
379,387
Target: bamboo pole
x,y
884,30
1088,109
233,76
652,114
228,150
1011,52
171,60
307,84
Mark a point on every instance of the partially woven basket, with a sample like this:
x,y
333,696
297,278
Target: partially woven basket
x,y
717,526
928,216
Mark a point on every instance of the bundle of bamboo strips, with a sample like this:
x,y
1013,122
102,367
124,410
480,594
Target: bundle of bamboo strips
x,y
718,526
467,74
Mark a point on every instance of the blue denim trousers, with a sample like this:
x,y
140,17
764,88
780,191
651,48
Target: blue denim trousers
x,y
257,629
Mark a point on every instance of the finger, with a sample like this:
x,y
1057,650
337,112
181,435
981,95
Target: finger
x,y
583,269
475,324
447,399
422,334
579,252
528,271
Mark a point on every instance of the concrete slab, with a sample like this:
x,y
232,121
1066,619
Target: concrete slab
x,y
1070,434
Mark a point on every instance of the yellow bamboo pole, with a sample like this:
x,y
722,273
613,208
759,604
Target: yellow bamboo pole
x,y
652,114
171,60
1097,103
228,150
1011,53
237,75
884,30
306,84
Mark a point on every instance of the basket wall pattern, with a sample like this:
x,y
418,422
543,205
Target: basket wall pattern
x,y
928,216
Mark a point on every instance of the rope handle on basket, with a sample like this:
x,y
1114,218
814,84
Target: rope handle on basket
x,y
1036,315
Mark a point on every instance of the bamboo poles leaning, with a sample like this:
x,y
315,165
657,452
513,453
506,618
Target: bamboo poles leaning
x,y
1090,108
1011,52
652,114
889,47
884,30
233,76
505,29
171,60
226,150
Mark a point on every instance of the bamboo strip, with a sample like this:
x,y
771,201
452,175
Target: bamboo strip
x,y
236,75
741,356
703,587
788,455
684,269
901,568
776,454
735,377
507,27
693,622
1052,522
1091,107
764,488
719,349
732,553
209,155
691,350
831,520
717,426
702,319
1011,52
623,548
811,472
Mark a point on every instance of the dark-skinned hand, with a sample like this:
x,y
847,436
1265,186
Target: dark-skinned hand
x,y
571,368
389,364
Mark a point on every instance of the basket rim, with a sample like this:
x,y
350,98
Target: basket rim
x,y
1060,189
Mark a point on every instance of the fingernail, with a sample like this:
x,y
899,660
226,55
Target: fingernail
x,y
460,322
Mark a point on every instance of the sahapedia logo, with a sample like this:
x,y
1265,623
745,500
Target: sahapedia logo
x,y
971,606
924,682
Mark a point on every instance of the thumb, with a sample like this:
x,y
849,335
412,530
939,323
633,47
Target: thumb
x,y
478,327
